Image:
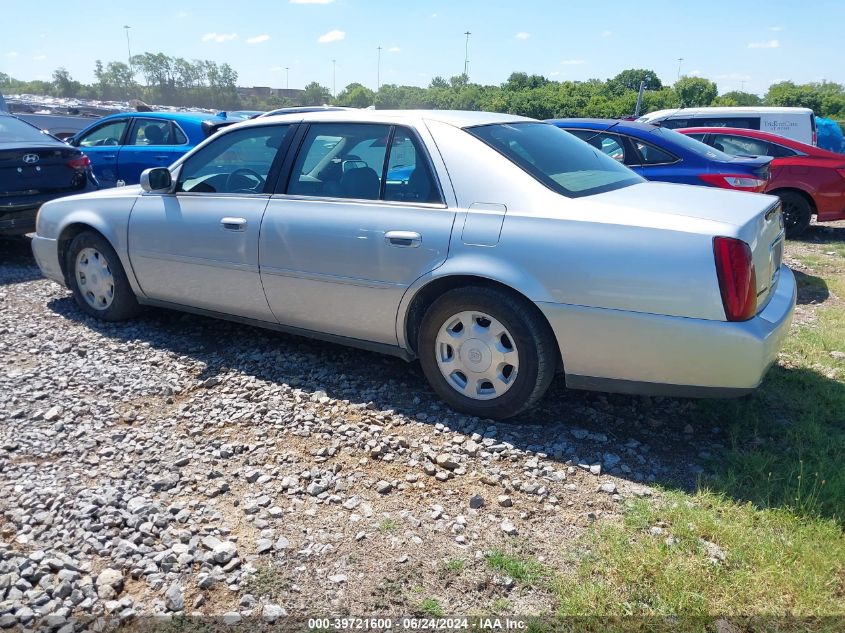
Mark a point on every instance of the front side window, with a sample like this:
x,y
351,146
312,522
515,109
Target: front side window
x,y
652,155
236,162
610,144
341,160
108,134
556,158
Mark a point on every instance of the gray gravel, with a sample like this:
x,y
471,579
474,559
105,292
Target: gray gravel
x,y
166,464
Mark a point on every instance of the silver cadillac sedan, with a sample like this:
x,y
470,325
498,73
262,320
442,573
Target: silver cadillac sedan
x,y
495,249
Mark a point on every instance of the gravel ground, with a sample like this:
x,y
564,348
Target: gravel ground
x,y
183,464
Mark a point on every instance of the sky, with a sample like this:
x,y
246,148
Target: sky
x,y
739,45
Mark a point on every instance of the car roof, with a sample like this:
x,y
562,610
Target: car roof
x,y
600,124
730,110
457,118
170,116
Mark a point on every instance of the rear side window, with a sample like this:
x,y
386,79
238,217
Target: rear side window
x,y
747,123
610,144
156,132
556,158
409,177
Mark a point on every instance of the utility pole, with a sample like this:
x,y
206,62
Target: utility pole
x,y
334,75
378,71
126,28
742,86
287,77
466,53
680,61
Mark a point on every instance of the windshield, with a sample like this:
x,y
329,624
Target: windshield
x,y
13,130
690,144
556,158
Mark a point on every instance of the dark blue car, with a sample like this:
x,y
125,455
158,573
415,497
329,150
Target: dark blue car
x,y
121,146
664,155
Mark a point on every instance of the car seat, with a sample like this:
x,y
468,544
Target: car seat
x,y
419,186
361,182
153,134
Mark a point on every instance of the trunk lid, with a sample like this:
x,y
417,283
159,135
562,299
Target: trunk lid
x,y
35,169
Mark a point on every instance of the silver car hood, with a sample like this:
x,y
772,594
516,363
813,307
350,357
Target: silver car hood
x,y
736,208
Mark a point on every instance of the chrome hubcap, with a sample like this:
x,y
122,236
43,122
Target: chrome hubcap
x,y
477,355
94,278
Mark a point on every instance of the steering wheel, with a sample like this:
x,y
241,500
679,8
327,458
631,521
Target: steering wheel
x,y
108,141
244,172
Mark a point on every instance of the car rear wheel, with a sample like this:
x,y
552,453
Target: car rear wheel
x,y
486,352
797,213
97,279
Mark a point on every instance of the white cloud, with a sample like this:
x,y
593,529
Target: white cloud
x,y
433,15
181,15
219,37
13,54
522,35
554,73
606,33
775,28
40,58
571,62
734,77
393,49
334,35
257,39
311,1
694,73
769,44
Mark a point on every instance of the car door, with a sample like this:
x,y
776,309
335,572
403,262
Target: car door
x,y
150,143
360,219
198,246
102,145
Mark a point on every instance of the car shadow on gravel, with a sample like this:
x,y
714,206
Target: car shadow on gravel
x,y
16,261
644,440
823,234
811,289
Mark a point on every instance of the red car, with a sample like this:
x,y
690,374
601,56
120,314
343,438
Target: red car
x,y
810,181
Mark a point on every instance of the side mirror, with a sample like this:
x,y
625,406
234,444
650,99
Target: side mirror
x,y
156,180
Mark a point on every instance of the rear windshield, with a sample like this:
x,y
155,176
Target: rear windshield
x,y
556,158
13,130
690,144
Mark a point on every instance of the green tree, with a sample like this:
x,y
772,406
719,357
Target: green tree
x,y
695,91
738,98
630,79
787,93
315,94
356,95
524,81
64,85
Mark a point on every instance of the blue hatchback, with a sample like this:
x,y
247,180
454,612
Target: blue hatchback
x,y
121,146
664,155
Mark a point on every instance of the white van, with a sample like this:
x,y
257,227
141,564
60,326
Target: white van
x,y
795,123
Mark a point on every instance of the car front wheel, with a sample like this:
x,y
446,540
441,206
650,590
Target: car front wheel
x,y
97,279
486,352
797,213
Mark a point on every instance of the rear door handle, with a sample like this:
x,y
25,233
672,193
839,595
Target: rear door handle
x,y
233,224
406,239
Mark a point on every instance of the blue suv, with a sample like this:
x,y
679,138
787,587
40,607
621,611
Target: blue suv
x,y
121,146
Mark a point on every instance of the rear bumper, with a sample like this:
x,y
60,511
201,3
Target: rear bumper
x,y
631,352
46,253
17,220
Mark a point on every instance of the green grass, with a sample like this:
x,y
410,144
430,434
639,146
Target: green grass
x,y
773,501
453,565
522,568
387,526
431,607
268,581
774,562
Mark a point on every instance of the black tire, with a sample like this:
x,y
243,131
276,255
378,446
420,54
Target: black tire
x,y
533,338
124,305
797,212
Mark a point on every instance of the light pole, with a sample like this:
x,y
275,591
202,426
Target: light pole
x,y
126,28
334,75
466,54
378,71
287,77
680,60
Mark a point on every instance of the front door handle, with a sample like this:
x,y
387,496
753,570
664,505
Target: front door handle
x,y
233,224
406,239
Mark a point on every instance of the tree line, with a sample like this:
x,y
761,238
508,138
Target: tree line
x,y
201,83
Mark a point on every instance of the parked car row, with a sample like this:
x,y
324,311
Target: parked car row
x,y
497,250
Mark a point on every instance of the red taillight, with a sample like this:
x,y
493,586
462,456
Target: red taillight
x,y
740,182
80,162
737,280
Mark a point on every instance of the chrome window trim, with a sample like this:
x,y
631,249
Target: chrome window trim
x,y
388,203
